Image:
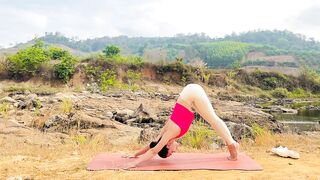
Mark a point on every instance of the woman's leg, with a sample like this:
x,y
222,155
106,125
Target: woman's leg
x,y
195,96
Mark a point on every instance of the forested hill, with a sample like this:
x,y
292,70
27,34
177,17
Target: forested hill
x,y
224,52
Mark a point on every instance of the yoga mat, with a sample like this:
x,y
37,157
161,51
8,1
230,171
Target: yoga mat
x,y
177,161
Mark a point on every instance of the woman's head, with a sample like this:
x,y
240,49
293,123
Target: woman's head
x,y
167,150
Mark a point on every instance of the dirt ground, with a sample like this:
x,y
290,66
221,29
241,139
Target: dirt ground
x,y
28,153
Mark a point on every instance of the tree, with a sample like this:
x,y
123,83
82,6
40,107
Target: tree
x,y
111,51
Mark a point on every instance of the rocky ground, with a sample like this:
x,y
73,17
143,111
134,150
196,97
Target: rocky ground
x,y
55,134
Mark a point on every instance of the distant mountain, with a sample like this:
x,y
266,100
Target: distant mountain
x,y
227,52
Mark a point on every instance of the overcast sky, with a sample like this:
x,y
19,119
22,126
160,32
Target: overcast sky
x,y
22,20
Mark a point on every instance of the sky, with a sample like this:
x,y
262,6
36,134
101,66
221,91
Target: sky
x,y
23,20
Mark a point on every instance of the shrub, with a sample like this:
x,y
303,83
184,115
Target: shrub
x,y
66,68
133,77
107,79
280,93
57,53
299,93
111,51
27,62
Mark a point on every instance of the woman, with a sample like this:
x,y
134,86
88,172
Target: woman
x,y
192,96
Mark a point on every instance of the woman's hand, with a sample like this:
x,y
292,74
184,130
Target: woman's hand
x,y
128,156
130,165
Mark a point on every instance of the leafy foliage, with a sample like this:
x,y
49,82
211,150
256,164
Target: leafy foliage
x,y
111,51
108,79
66,68
201,46
27,62
57,53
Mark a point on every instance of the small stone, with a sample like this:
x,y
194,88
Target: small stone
x,y
14,178
8,100
108,114
290,163
19,113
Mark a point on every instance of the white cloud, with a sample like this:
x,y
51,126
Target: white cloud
x,y
96,18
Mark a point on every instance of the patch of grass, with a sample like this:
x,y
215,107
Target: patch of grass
x,y
39,90
80,139
262,135
280,93
77,89
4,109
299,93
38,105
3,64
301,105
66,106
199,136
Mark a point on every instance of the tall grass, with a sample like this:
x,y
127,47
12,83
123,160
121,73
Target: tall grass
x,y
200,136
4,109
66,106
262,135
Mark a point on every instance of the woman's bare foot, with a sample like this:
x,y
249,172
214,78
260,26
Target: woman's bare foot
x,y
233,150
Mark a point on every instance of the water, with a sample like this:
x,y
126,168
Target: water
x,y
303,121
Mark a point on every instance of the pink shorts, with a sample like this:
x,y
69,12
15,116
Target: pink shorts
x,y
182,117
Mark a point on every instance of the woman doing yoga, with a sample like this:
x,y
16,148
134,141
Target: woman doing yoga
x,y
191,97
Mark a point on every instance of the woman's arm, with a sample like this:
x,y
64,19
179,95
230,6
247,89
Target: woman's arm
x,y
146,148
142,151
152,151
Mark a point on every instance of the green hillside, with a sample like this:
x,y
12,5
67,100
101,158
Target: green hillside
x,y
225,52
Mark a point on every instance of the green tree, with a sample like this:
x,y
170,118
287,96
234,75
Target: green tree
x,y
57,53
27,62
66,68
111,51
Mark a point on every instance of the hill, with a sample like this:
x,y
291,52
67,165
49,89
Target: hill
x,y
231,51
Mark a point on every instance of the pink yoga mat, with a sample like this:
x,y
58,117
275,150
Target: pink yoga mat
x,y
178,161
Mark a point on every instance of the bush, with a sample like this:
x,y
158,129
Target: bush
x,y
111,51
133,77
280,93
66,68
57,53
108,79
27,62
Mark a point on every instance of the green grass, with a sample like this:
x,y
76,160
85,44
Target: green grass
x,y
199,136
66,106
301,105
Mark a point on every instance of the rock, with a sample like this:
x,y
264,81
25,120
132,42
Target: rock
x,y
15,178
125,112
148,134
108,115
165,97
279,109
218,80
22,105
27,92
19,113
239,131
283,102
7,99
19,97
52,121
289,111
32,97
